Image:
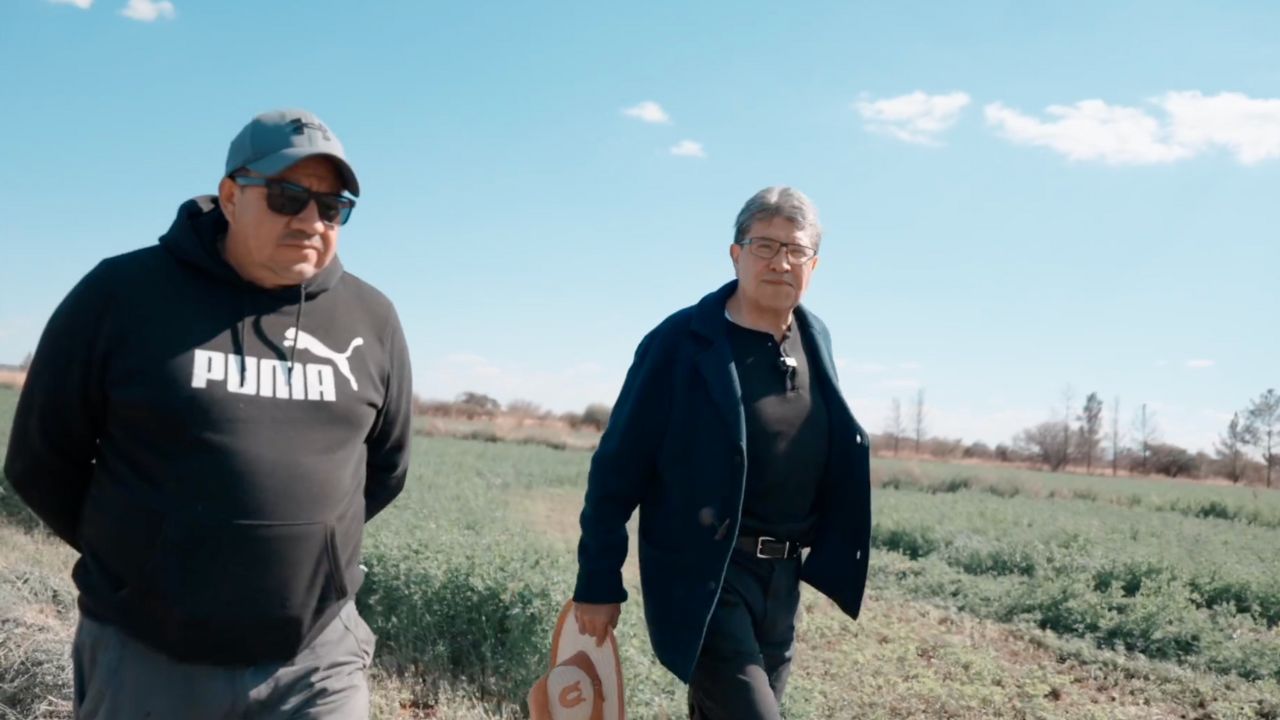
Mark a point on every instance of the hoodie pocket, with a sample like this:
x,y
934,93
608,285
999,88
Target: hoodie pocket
x,y
242,592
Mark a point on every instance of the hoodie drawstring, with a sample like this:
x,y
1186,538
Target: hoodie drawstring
x,y
244,318
297,327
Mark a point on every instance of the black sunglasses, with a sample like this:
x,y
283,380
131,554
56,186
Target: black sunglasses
x,y
288,198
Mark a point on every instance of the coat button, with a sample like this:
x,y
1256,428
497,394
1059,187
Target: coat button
x,y
712,586
707,516
858,439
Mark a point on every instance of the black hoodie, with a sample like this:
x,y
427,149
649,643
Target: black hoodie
x,y
213,449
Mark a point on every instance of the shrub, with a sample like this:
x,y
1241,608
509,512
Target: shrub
x,y
465,616
1171,460
1066,606
1128,577
526,409
953,484
915,543
1004,489
1159,622
484,434
596,415
976,557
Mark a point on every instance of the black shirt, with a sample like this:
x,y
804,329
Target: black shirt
x,y
786,433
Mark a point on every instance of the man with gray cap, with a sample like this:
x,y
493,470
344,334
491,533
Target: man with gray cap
x,y
210,422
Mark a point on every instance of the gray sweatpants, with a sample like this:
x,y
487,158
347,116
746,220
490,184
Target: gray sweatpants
x,y
117,677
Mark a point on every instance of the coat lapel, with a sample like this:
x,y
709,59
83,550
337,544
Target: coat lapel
x,y
715,360
821,341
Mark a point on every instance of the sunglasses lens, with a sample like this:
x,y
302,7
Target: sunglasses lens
x,y
287,198
334,211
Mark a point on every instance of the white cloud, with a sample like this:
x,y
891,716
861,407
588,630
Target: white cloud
x,y
82,4
1091,130
915,118
688,148
1248,128
148,10
650,112
911,365
867,368
1198,364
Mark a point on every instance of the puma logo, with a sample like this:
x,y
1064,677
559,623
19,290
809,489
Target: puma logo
x,y
306,341
571,695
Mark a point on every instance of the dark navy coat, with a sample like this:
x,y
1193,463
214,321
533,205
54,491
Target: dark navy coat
x,y
676,448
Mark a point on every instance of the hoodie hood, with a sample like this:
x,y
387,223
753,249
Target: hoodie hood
x,y
194,237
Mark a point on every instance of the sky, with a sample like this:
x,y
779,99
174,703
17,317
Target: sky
x,y
1017,198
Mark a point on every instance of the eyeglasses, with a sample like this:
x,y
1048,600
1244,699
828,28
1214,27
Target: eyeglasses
x,y
288,198
767,249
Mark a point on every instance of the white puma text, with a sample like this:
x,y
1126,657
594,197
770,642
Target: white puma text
x,y
268,378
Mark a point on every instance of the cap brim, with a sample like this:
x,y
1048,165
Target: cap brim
x,y
277,163
566,641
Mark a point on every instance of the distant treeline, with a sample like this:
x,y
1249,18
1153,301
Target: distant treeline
x,y
1247,451
478,406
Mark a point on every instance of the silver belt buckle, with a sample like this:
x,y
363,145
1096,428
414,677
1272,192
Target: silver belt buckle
x,y
786,547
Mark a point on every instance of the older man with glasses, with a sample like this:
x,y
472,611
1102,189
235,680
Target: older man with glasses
x,y
732,437
210,422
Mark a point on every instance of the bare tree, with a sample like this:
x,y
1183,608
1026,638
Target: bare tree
x,y
1115,437
893,426
1262,428
26,361
1230,449
918,413
525,409
1145,433
1091,429
1068,400
1044,443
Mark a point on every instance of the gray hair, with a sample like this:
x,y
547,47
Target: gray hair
x,y
780,201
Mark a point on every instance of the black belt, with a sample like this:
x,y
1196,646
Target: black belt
x,y
769,548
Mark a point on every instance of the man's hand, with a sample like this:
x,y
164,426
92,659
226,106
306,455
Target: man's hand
x,y
597,620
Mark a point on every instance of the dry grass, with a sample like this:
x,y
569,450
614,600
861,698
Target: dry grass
x,y
396,697
37,621
12,378
510,428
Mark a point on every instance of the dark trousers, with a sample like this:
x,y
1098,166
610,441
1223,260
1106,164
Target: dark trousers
x,y
746,656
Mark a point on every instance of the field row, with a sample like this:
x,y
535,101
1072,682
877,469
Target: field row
x,y
1250,506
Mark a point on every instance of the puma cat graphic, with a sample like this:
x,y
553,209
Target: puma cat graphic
x,y
306,341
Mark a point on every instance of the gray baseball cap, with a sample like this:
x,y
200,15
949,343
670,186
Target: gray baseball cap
x,y
273,141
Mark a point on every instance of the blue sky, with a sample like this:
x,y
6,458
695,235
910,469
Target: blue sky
x,y
1015,199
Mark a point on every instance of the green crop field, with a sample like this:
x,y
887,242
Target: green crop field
x,y
994,593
